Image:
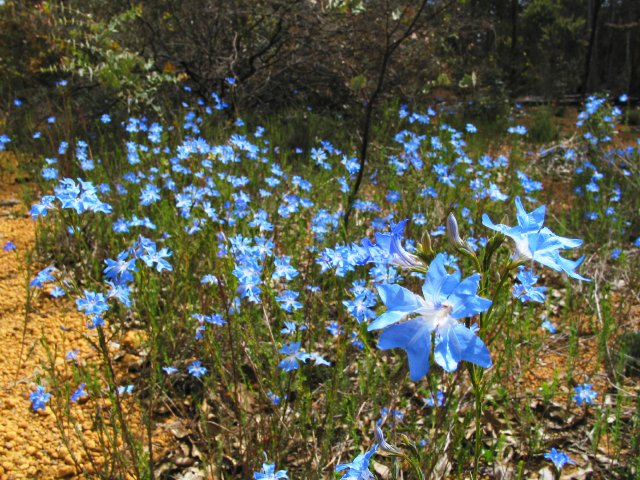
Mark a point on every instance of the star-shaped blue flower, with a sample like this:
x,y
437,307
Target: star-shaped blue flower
x,y
293,354
359,468
389,250
559,459
269,473
39,399
446,300
536,242
584,394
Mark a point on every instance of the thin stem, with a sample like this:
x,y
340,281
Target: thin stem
x,y
118,405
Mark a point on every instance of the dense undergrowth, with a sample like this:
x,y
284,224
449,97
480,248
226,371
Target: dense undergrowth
x,y
271,327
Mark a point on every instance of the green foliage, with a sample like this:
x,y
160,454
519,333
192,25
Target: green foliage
x,y
542,127
629,353
322,412
115,55
95,50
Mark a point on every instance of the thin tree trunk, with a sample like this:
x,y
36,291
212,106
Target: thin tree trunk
x,y
592,40
514,43
390,49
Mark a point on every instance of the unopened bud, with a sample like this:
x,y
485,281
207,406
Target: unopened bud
x,y
452,231
382,443
426,243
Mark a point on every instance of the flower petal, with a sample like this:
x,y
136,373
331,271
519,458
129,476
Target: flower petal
x,y
414,337
399,301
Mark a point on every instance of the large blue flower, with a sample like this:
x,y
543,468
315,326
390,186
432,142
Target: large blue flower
x,y
537,243
389,250
446,299
359,468
269,473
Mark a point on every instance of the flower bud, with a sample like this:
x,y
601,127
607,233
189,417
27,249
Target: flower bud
x,y
382,443
426,244
452,231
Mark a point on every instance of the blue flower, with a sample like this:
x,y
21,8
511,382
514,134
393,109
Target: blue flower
x,y
120,292
537,243
170,370
39,398
122,389
318,359
79,393
355,341
149,194
248,271
275,399
196,369
268,472
359,468
438,401
559,459
360,306
9,246
334,329
393,196
81,197
287,301
289,328
526,289
72,355
547,325
120,270
209,279
518,130
152,256
584,394
93,304
42,208
389,250
57,292
446,300
43,276
4,139
293,354
527,184
95,322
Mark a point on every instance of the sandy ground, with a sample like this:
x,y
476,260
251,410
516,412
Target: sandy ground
x,y
31,445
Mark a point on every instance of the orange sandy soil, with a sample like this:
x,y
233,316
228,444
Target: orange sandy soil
x,y
587,366
31,444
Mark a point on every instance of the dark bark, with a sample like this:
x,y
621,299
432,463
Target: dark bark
x,y
514,44
591,45
390,48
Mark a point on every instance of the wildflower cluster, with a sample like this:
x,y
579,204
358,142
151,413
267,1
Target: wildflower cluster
x,y
230,256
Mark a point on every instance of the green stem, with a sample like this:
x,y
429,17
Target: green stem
x,y
477,391
117,404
